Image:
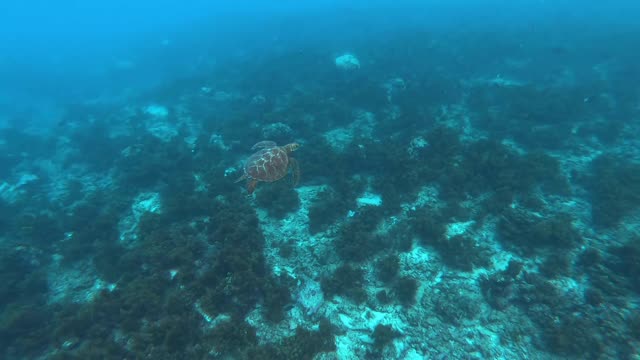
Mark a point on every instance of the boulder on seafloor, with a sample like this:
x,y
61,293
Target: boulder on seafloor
x,y
347,62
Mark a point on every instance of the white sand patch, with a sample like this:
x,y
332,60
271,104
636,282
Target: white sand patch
x,y
157,111
128,226
347,62
11,192
369,199
78,284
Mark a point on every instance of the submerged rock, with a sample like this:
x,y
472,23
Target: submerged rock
x,y
347,62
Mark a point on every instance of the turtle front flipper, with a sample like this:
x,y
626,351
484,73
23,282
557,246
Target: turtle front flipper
x,y
244,176
264,145
251,186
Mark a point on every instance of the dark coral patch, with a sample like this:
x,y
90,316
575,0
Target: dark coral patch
x,y
278,198
615,189
406,289
346,281
527,232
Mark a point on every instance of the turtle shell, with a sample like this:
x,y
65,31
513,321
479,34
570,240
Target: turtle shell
x,y
268,164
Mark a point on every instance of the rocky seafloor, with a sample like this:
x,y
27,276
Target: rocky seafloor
x,y
493,215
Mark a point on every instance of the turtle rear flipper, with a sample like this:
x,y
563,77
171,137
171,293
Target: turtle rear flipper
x,y
251,186
295,171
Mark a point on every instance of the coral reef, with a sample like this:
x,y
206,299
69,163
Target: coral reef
x,y
453,203
614,189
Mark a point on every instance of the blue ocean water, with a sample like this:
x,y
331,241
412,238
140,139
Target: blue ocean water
x,y
320,180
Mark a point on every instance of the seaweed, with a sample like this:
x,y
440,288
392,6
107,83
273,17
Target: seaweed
x,y
395,174
383,335
233,337
93,229
331,205
356,240
165,246
527,233
460,251
276,298
428,224
463,252
533,116
141,299
455,307
37,229
615,271
23,326
278,198
614,187
320,163
23,281
238,277
176,334
594,297
574,335
384,297
151,161
347,281
388,268
488,166
405,290
498,289
303,345
556,265
234,281
95,147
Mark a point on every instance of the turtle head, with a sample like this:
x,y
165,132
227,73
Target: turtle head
x,y
291,147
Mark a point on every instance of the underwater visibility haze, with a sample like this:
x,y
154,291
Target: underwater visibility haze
x,y
320,180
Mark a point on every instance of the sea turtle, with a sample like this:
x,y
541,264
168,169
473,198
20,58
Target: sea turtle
x,y
270,163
